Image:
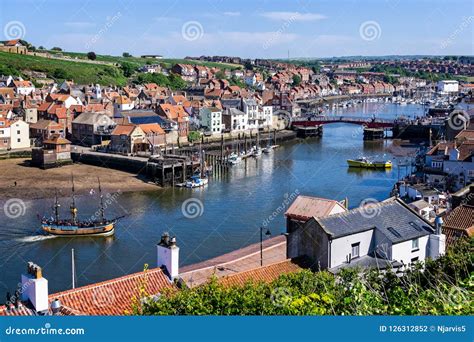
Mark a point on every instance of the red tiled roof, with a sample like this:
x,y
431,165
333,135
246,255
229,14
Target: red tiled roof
x,y
305,207
152,128
265,274
123,129
111,297
460,222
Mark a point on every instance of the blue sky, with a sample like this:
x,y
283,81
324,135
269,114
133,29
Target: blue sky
x,y
265,29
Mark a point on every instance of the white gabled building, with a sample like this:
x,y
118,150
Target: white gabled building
x,y
381,235
211,120
14,134
235,120
250,108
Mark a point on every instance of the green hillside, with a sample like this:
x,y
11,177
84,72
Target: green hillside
x,y
82,73
85,72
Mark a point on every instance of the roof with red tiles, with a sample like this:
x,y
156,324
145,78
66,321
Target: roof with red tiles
x,y
459,223
305,207
123,129
111,297
152,128
264,274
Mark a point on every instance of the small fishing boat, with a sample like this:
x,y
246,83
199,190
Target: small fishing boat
x,y
196,182
234,159
100,226
257,152
365,163
267,150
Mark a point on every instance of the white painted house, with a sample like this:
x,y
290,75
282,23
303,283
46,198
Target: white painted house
x,y
235,120
250,108
448,86
19,135
211,120
382,235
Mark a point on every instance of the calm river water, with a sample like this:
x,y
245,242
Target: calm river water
x,y
230,216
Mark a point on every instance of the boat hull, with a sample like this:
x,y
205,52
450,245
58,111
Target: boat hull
x,y
70,231
369,165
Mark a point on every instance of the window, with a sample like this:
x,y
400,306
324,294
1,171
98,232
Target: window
x,y
437,164
18,140
414,260
414,245
17,132
355,250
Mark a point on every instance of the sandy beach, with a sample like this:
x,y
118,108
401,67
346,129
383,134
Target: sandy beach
x,y
35,183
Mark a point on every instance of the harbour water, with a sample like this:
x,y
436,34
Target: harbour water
x,y
223,216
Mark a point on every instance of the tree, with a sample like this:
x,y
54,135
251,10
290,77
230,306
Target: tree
x,y
296,80
92,56
126,55
176,82
220,75
128,68
59,74
41,47
194,136
56,49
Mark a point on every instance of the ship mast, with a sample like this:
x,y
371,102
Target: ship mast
x,y
56,207
102,214
73,203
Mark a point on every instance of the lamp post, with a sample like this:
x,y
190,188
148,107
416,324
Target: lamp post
x,y
267,233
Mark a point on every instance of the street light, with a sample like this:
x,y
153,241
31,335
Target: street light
x,y
267,233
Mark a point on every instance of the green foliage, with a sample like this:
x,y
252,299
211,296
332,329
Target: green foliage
x,y
176,82
296,80
92,56
128,68
220,75
194,136
56,49
81,73
126,55
444,287
59,74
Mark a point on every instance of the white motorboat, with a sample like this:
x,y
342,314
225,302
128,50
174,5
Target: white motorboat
x,y
196,182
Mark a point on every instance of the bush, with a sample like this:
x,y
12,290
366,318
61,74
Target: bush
x,y
443,287
92,56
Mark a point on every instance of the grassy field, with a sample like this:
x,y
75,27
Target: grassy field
x,y
138,61
82,73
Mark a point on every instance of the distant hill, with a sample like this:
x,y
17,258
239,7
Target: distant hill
x,y
77,66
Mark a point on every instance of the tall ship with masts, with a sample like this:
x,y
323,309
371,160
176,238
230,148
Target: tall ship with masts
x,y
73,226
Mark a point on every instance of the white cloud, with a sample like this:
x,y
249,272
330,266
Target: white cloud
x,y
293,16
232,14
79,24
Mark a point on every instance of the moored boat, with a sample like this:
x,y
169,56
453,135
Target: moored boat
x,y
196,182
365,163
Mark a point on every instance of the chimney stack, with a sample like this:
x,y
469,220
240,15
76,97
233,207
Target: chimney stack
x,y
34,287
168,255
437,241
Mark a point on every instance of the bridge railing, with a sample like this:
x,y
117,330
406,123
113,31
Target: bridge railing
x,y
342,118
